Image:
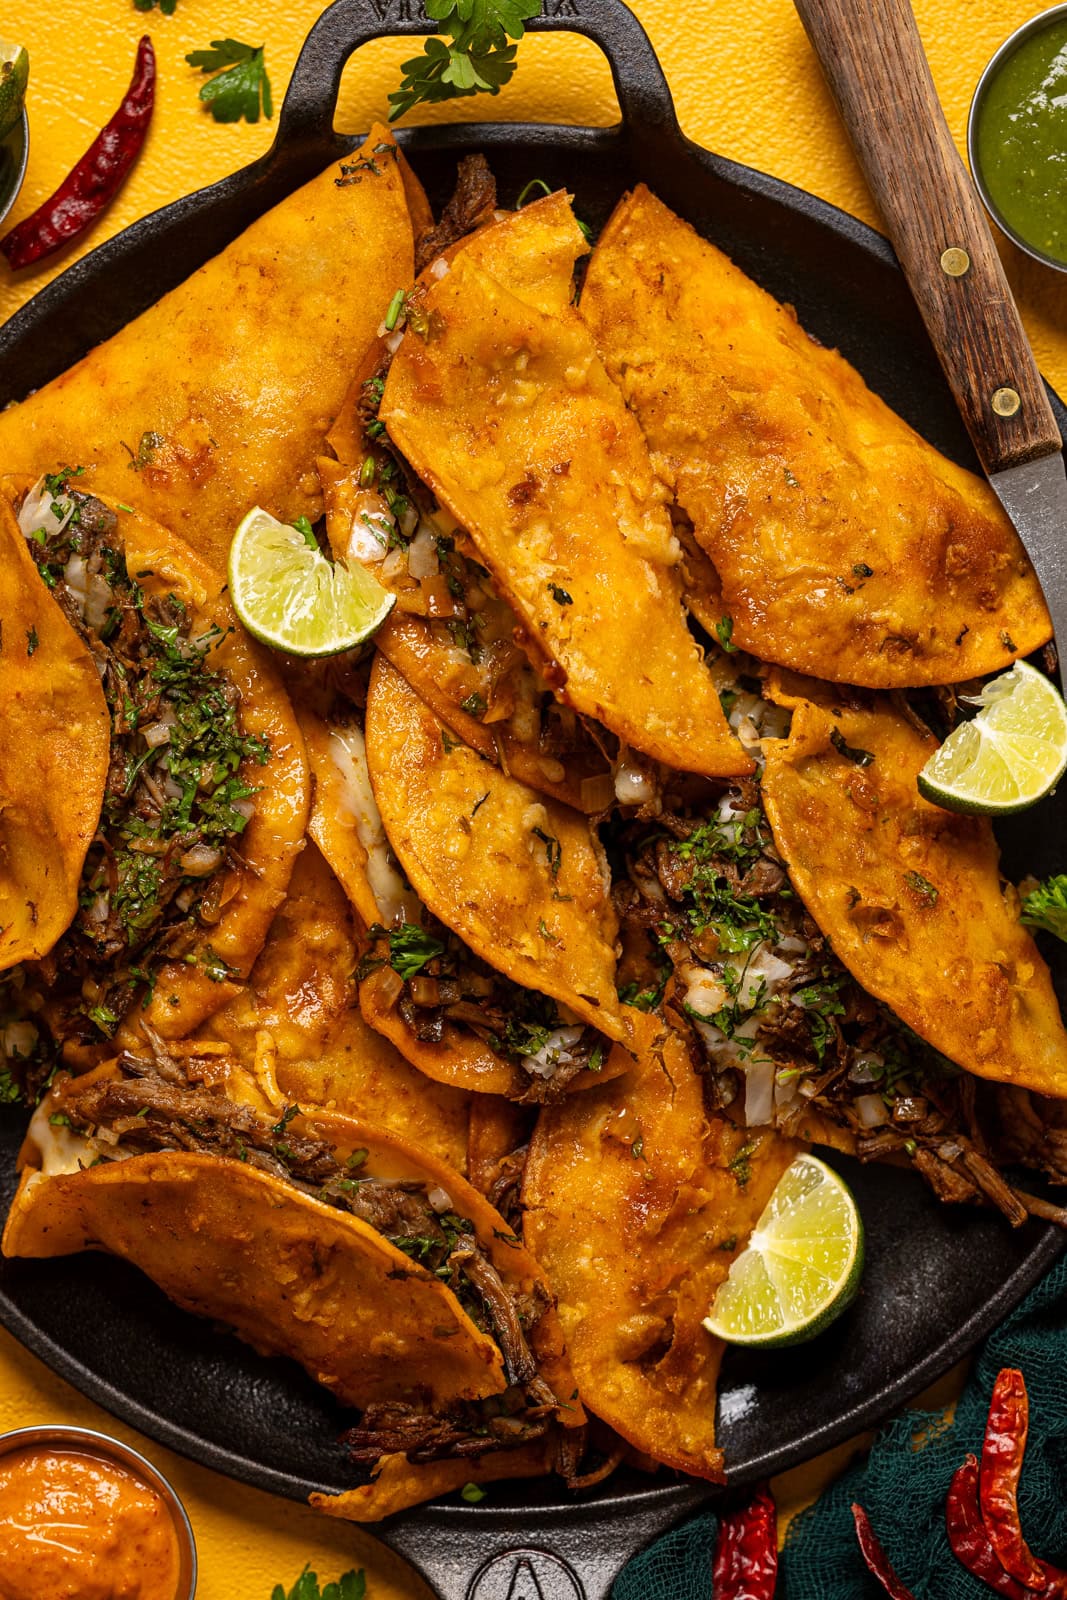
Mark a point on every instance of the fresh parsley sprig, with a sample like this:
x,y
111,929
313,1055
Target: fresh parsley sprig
x,y
165,6
1046,906
240,90
353,1586
477,59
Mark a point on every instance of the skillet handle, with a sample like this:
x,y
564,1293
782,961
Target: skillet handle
x,y
874,62
306,116
530,1553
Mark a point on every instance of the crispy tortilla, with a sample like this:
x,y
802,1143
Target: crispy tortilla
x,y
910,896
507,414
400,1483
55,749
296,1025
219,397
519,878
846,546
635,1213
185,992
287,1271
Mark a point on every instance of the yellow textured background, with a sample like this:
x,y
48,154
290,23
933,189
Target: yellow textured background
x,y
745,84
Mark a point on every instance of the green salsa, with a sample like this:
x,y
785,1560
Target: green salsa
x,y
1022,140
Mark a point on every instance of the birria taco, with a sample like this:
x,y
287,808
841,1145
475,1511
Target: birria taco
x,y
312,1236
451,633
55,749
505,411
446,1008
844,544
219,397
910,896
637,1202
206,797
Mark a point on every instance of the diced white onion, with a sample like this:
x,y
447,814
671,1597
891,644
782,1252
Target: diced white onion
x,y
156,734
871,1110
763,966
19,1039
422,554
554,1053
36,514
633,785
438,268
440,1199
393,340
98,601
706,992
76,578
759,1093
200,860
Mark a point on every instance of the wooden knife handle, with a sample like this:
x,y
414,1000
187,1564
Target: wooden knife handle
x,y
876,67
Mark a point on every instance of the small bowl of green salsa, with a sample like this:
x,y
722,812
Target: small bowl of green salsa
x,y
1017,137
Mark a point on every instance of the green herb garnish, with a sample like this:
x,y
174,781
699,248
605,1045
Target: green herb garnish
x,y
477,59
242,89
1046,907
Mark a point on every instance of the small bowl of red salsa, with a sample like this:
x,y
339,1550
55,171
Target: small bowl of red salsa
x,y
84,1517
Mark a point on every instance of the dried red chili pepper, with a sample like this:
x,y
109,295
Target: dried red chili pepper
x,y
746,1551
876,1558
970,1544
998,1481
96,178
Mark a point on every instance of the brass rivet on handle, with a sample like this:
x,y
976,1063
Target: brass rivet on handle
x,y
955,261
1005,402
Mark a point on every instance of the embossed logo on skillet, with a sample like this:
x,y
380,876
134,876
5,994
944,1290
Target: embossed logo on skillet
x,y
525,1575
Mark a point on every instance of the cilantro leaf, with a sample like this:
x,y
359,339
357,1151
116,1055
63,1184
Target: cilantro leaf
x,y
352,1586
1046,907
239,90
478,58
410,948
165,6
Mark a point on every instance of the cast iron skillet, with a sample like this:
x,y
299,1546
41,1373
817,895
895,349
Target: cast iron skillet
x,y
935,1280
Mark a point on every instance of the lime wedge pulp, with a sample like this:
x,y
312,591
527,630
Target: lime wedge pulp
x,y
288,595
802,1265
1007,757
14,76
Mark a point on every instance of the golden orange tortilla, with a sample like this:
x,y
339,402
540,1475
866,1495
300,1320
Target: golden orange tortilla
x,y
635,1213
521,879
845,545
219,397
55,750
291,1274
296,1025
506,413
400,1483
257,877
910,896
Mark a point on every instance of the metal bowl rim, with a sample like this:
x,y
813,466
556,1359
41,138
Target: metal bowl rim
x,y
1026,30
16,187
95,1442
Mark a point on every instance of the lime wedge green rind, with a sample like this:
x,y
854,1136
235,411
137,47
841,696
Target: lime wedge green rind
x,y
14,76
802,1266
1009,756
291,597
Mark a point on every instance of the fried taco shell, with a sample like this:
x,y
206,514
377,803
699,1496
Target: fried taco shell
x,y
55,749
164,635
521,879
636,1204
297,1028
400,1483
910,896
219,397
308,1237
505,411
830,522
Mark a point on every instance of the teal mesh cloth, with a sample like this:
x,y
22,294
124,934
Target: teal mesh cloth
x,y
903,1483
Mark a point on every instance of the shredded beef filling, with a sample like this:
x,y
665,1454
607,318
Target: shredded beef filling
x,y
155,1108
175,801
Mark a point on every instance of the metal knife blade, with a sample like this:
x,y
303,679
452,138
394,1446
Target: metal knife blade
x,y
1035,497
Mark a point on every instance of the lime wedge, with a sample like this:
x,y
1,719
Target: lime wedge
x,y
802,1266
14,76
1007,757
288,595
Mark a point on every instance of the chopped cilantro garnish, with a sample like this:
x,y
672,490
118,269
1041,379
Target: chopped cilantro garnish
x,y
922,887
724,632
352,1586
